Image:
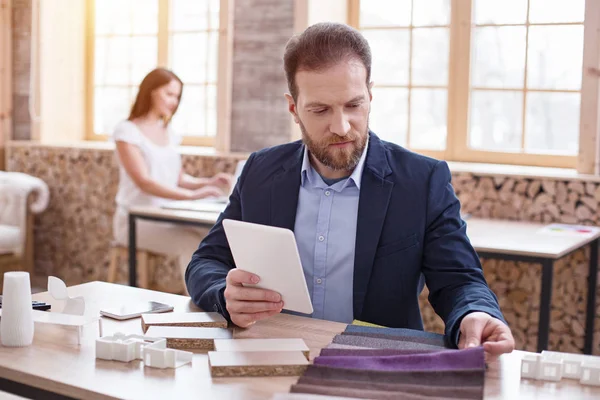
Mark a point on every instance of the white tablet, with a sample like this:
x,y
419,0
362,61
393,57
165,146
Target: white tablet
x,y
272,254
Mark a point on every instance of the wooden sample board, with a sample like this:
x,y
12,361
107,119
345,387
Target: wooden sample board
x,y
263,345
255,363
196,319
184,338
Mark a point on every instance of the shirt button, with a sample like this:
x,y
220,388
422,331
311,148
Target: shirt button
x,y
319,280
321,238
327,193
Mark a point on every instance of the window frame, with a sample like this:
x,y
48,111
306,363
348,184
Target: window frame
x,y
224,75
459,91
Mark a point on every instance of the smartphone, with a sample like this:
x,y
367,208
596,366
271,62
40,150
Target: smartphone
x,y
134,310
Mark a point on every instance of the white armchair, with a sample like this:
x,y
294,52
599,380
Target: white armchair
x,y
21,196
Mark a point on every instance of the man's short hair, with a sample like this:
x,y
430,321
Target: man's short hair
x,y
321,46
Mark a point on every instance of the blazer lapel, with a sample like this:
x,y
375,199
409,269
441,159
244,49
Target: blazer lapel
x,y
375,193
284,192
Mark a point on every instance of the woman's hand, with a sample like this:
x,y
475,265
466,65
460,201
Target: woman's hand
x,y
221,179
206,191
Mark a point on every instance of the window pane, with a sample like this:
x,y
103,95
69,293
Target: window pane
x,y
194,15
189,56
555,57
552,122
144,51
431,12
500,11
385,13
211,110
113,63
496,120
430,56
190,117
111,105
498,57
144,16
390,51
389,114
428,119
113,17
556,10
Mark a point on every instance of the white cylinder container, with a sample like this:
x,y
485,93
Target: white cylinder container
x,y
16,324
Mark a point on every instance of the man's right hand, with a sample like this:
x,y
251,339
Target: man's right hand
x,y
246,305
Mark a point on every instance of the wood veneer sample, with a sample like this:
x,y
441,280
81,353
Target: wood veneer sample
x,y
192,319
184,338
264,345
256,363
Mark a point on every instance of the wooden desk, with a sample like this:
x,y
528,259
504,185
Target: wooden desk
x,y
523,241
509,240
56,364
183,217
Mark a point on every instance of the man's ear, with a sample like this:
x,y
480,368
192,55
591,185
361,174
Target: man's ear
x,y
292,107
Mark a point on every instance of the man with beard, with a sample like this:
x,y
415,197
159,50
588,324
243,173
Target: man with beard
x,y
371,218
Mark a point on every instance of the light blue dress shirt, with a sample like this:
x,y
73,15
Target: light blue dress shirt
x,y
325,231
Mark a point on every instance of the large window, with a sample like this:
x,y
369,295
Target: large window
x,y
477,80
131,37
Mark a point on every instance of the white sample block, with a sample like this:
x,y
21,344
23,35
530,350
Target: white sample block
x,y
285,344
553,366
157,355
121,347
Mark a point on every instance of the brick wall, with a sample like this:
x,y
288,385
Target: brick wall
x,y
21,26
259,108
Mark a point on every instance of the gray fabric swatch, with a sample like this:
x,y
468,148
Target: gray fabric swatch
x,y
474,377
338,346
400,332
375,343
359,393
453,392
439,341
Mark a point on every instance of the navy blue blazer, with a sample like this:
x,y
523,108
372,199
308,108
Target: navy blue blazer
x,y
409,226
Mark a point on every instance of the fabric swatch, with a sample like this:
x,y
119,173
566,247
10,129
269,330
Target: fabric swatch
x,y
356,351
376,343
457,378
472,358
416,339
338,346
465,392
401,332
359,393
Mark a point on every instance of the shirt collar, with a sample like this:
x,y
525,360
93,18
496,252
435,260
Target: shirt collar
x,y
308,172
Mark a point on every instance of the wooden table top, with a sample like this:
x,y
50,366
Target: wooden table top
x,y
524,238
55,362
200,217
486,235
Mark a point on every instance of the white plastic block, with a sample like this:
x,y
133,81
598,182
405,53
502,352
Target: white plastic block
x,y
157,355
550,370
121,347
590,374
530,365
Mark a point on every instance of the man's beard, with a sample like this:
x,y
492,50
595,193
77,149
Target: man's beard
x,y
342,159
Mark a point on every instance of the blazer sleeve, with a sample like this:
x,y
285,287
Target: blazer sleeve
x,y
210,263
450,264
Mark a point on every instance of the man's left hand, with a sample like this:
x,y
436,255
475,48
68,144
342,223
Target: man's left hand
x,y
478,328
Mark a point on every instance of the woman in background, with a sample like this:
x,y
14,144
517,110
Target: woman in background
x,y
150,169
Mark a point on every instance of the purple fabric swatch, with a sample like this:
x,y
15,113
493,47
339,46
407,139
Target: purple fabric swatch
x,y
360,393
472,358
375,343
463,392
355,351
465,377
439,341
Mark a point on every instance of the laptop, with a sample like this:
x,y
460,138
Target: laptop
x,y
209,204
